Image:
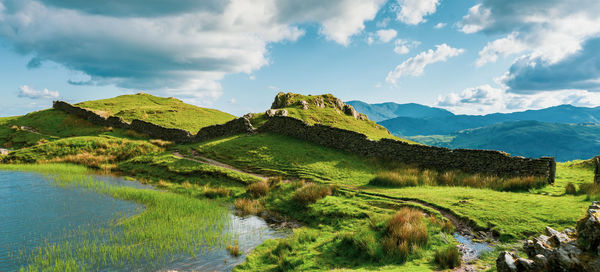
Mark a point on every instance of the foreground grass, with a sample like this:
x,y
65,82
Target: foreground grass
x,y
513,215
171,225
167,112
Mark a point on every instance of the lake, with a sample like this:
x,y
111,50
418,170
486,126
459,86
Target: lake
x,y
35,213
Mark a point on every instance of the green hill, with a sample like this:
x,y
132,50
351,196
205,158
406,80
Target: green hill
x,y
328,110
167,112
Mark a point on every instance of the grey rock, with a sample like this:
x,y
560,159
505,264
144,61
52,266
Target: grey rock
x,y
349,110
304,105
567,257
506,262
588,228
557,238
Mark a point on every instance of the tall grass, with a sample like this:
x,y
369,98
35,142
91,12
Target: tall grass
x,y
406,177
310,193
447,257
405,233
171,225
258,189
591,190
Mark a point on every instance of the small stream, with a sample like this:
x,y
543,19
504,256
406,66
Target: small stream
x,y
34,212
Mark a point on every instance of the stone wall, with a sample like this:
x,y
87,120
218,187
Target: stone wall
x,y
596,161
233,127
467,160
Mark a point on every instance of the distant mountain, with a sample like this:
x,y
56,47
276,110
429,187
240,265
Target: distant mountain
x,y
384,111
435,125
534,139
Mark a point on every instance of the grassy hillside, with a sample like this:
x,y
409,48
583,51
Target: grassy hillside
x,y
328,110
167,112
49,125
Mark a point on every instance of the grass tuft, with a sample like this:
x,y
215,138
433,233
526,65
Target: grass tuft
x,y
248,206
258,189
234,250
447,257
570,189
310,193
405,232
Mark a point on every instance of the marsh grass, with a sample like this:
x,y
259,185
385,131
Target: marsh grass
x,y
248,206
591,190
234,250
410,177
310,193
405,233
258,189
447,257
171,225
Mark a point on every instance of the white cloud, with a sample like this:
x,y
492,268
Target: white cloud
x,y
415,66
402,46
505,46
478,18
386,35
486,99
29,92
439,25
412,11
183,50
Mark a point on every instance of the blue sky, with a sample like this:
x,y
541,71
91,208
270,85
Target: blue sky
x,y
467,56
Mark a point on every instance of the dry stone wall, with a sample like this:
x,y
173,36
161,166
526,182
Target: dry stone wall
x,y
233,127
471,161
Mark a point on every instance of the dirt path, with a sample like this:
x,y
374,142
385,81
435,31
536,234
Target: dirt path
x,y
205,160
463,226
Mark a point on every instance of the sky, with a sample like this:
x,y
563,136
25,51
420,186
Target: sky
x,y
467,56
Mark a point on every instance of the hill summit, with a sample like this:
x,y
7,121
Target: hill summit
x,y
327,110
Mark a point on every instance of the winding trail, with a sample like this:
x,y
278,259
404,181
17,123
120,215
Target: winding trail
x,y
464,226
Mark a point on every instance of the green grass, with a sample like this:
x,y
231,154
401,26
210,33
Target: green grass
x,y
276,155
167,112
170,225
575,172
168,167
50,125
513,215
92,151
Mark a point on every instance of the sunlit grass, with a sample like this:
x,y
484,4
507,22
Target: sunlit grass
x,y
171,225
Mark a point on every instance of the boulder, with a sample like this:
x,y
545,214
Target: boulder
x,y
506,262
276,112
282,100
349,110
588,229
304,105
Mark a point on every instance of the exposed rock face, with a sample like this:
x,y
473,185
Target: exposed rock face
x,y
276,112
283,100
560,251
3,151
597,169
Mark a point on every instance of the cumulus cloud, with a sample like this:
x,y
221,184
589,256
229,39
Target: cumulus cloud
x,y
505,46
549,35
386,35
579,71
412,11
486,99
415,66
183,48
29,92
439,25
402,46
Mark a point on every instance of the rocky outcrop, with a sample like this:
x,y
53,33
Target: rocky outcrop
x,y
568,250
431,157
233,127
284,100
276,112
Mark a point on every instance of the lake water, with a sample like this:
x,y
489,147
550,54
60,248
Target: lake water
x,y
34,211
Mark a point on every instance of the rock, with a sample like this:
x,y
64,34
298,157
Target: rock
x,y
588,229
362,117
276,112
539,246
248,116
567,257
319,102
349,110
525,265
557,238
304,105
506,262
593,265
541,262
282,100
339,104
